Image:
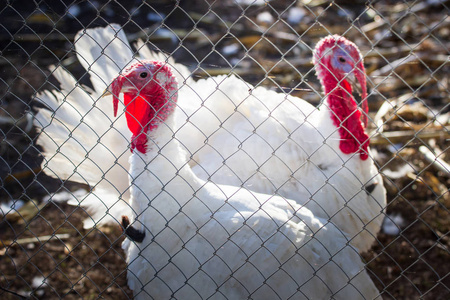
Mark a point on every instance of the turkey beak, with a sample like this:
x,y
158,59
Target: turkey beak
x,y
351,77
114,89
106,93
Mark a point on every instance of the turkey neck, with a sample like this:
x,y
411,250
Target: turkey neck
x,y
162,170
345,115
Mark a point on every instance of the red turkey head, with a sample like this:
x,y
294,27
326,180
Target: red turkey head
x,y
150,94
338,59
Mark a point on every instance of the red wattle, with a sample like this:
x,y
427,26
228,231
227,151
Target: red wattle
x,y
347,118
137,112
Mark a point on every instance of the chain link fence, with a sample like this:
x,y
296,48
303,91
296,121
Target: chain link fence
x,y
45,251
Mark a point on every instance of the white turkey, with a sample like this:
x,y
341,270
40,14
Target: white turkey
x,y
236,134
82,140
274,143
200,240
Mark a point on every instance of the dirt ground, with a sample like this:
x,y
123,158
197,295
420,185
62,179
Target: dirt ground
x,y
44,251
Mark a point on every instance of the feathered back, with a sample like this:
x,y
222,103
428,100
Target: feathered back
x,y
82,140
103,53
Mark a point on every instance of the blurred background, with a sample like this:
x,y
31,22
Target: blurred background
x,y
44,251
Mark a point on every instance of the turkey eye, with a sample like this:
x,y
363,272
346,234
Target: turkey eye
x,y
342,60
143,74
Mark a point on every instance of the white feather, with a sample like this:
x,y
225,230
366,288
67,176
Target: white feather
x,y
81,138
192,222
274,143
221,242
235,134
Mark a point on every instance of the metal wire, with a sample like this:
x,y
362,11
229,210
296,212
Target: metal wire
x,y
45,251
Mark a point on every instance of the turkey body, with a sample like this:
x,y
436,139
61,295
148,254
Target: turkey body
x,y
222,242
234,134
204,240
274,143
200,239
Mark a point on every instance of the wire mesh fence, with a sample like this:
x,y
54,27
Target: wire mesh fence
x,y
47,253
